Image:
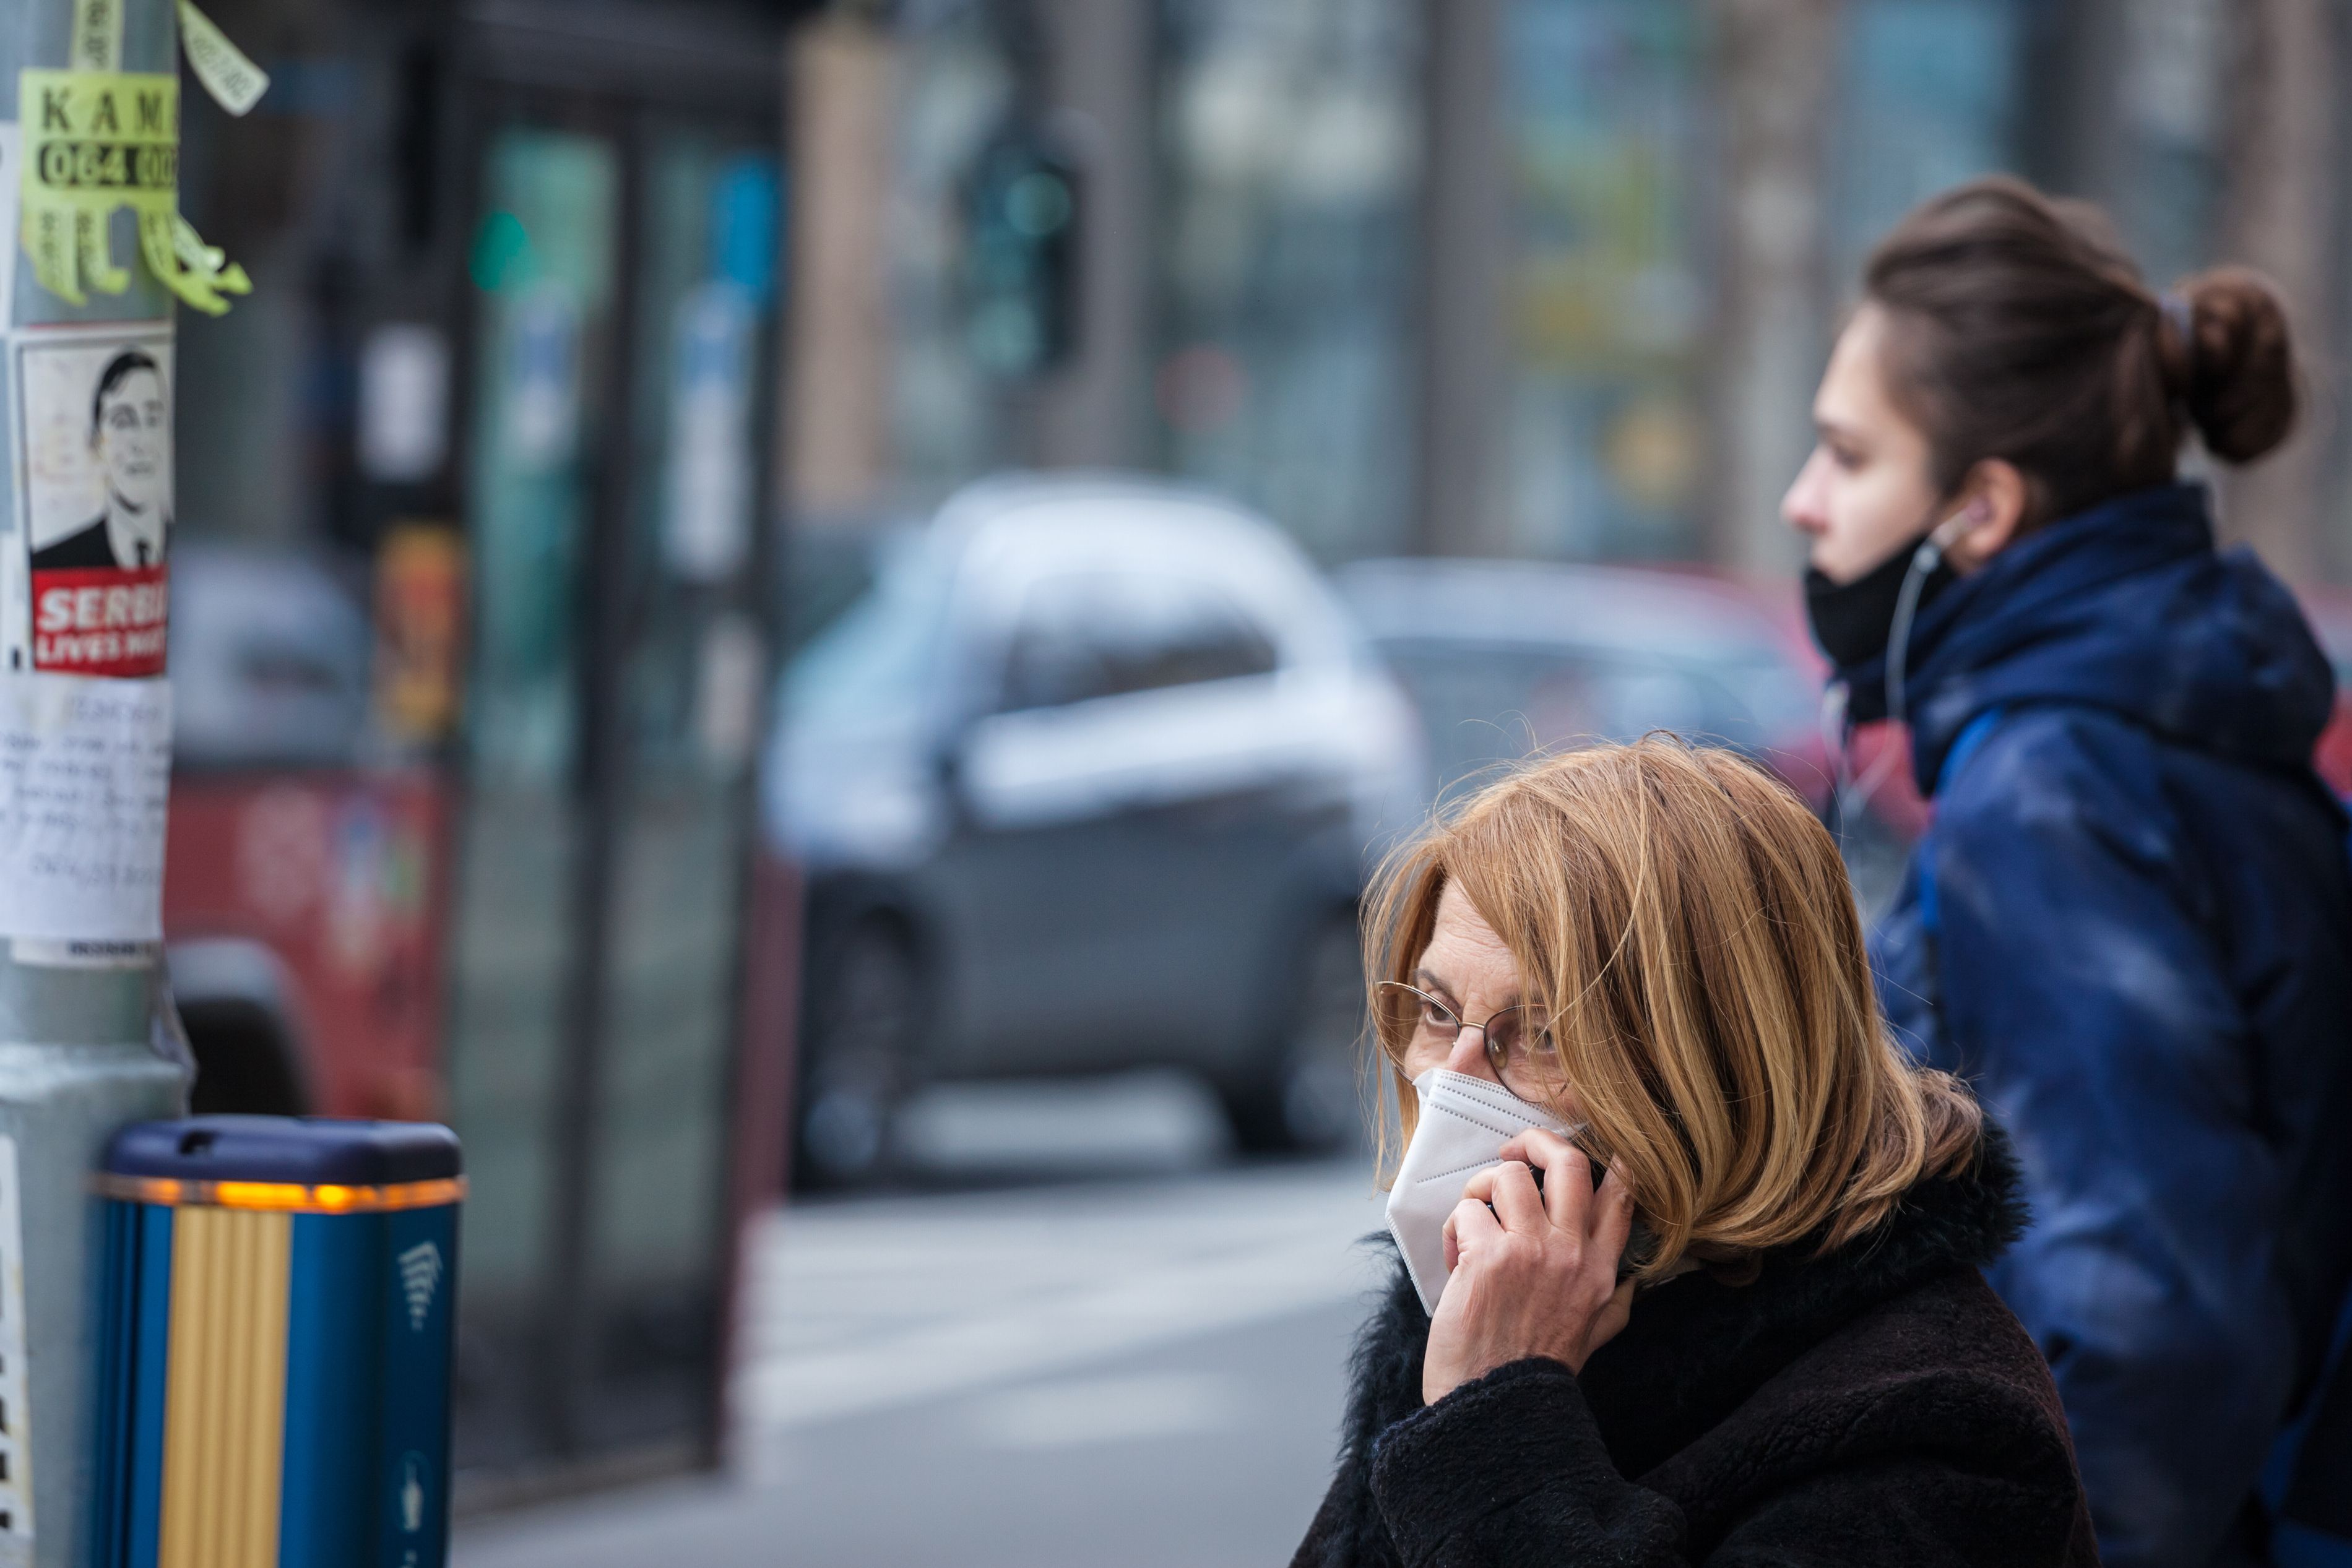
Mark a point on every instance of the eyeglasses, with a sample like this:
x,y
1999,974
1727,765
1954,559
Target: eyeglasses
x,y
1523,1057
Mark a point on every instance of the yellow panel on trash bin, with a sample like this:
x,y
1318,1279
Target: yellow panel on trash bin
x,y
225,1399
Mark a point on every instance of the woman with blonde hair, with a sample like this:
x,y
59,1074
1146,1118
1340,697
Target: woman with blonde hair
x,y
1762,1334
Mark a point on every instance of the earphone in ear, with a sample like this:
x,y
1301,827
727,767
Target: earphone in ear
x,y
1967,521
1923,561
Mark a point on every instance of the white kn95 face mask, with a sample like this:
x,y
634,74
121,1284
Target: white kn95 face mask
x,y
1464,1124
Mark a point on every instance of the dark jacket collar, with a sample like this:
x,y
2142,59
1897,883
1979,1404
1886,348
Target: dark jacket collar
x,y
2128,607
1695,1348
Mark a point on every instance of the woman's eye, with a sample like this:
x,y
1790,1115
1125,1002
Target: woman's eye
x,y
1435,1016
1845,458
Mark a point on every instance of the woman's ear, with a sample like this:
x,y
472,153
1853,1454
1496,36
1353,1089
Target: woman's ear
x,y
1992,503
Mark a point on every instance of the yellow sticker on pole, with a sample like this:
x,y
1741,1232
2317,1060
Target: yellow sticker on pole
x,y
236,83
97,141
203,272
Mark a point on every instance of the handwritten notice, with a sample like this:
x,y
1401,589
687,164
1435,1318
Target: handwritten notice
x,y
85,770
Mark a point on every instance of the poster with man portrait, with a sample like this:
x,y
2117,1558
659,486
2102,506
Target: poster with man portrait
x,y
96,504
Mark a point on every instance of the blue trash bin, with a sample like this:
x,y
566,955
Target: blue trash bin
x,y
274,1343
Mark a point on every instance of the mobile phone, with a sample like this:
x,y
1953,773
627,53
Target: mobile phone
x,y
1637,1243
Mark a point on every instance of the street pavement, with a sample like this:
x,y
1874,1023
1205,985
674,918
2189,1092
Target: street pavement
x,y
1144,1368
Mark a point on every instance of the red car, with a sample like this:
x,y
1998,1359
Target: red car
x,y
2330,612
1506,657
303,877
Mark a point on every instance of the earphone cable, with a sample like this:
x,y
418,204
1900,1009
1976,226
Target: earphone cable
x,y
1854,795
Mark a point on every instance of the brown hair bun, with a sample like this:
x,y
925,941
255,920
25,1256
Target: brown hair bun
x,y
2018,327
2239,379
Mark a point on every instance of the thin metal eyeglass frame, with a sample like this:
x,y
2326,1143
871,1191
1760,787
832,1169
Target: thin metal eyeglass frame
x,y
1485,1039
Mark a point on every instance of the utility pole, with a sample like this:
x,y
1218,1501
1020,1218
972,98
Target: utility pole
x,y
1098,89
2281,217
835,422
1775,70
1464,221
88,1039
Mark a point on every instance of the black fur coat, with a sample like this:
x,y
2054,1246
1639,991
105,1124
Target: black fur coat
x,y
1877,1406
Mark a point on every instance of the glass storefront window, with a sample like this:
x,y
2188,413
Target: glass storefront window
x,y
1289,152
1606,296
689,690
1930,96
544,262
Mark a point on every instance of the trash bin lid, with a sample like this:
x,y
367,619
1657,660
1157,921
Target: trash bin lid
x,y
305,1149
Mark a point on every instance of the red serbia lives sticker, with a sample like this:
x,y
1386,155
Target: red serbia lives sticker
x,y
101,620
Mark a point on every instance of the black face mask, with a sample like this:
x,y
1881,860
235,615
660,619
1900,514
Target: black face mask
x,y
1852,621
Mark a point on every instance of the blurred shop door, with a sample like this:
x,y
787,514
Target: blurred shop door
x,y
543,266
623,273
685,702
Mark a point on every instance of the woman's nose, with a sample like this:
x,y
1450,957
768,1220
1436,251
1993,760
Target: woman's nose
x,y
1800,506
1468,1056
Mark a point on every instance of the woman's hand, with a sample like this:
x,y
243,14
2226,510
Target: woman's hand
x,y
1533,1274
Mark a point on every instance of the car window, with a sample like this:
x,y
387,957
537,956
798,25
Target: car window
x,y
1097,634
1764,699
877,656
1484,704
1488,704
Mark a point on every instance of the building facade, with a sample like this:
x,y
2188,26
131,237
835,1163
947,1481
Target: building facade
x,y
1540,278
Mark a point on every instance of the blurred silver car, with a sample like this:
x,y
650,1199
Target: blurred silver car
x,y
1504,658
1084,782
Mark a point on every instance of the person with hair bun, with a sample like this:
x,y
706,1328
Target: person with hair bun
x,y
2131,926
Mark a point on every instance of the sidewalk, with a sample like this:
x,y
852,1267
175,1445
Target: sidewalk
x,y
1145,1373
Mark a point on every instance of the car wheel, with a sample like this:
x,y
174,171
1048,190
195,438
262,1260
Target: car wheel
x,y
866,1014
1310,1100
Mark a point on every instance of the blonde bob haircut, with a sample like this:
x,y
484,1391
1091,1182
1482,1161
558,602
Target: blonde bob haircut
x,y
1685,926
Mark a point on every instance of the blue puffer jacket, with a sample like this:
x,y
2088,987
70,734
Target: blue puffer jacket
x,y
2134,934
